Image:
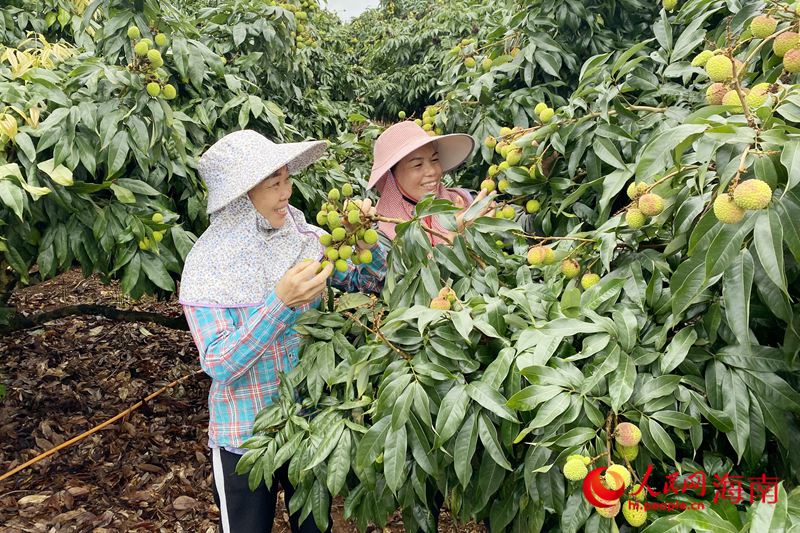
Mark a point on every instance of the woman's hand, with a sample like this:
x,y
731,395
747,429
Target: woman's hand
x,y
299,285
367,211
488,210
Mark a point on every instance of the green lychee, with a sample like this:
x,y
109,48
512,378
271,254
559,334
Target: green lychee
x,y
541,106
763,26
169,92
488,185
153,89
325,239
785,42
629,453
570,268
757,96
638,493
732,99
616,476
575,470
791,60
502,185
635,218
635,513
490,142
334,195
532,205
469,62
365,256
715,93
547,115
514,156
719,68
589,280
158,236
486,64
702,58
340,265
628,434
158,218
134,33
669,5
401,115
345,251
370,236
609,512
726,210
442,304
141,48
347,190
651,204
338,234
752,194
537,255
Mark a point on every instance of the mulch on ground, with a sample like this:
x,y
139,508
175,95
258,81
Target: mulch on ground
x,y
148,472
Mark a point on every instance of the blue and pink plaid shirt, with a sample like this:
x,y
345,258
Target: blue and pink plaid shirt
x,y
244,348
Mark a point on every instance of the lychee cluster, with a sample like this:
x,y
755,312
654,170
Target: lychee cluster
x,y
157,220
544,112
351,236
753,194
444,300
148,61
645,204
428,120
786,45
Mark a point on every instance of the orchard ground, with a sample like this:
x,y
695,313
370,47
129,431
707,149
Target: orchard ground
x,y
149,472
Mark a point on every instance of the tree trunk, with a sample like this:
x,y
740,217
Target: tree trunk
x,y
18,322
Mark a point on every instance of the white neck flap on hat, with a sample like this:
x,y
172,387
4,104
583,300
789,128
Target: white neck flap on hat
x,y
240,258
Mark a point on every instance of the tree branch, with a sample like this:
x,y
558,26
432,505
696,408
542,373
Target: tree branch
x,y
19,322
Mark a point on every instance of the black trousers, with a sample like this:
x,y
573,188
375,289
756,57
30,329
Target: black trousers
x,y
245,511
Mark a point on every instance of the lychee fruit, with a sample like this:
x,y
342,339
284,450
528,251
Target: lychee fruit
x,y
440,303
537,255
616,475
732,99
141,48
153,89
541,106
339,234
629,453
401,115
340,265
134,33
634,513
785,42
715,93
448,294
763,26
669,5
609,512
638,493
575,470
547,115
487,185
791,61
158,218
370,236
160,39
532,206
469,62
570,268
757,96
589,280
502,185
726,210
586,460
365,256
169,92
651,204
702,58
628,434
752,194
635,218
514,156
486,64
490,142
719,68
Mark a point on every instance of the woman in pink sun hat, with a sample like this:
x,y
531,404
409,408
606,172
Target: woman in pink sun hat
x,y
409,164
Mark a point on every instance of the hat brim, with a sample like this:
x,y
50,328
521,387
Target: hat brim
x,y
295,156
454,149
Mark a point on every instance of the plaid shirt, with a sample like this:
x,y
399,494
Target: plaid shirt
x,y
244,348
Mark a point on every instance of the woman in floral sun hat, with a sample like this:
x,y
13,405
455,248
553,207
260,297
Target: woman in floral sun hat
x,y
245,281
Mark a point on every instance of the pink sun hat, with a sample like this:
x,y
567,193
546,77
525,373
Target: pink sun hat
x,y
402,138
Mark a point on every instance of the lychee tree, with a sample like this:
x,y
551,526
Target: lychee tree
x,y
641,312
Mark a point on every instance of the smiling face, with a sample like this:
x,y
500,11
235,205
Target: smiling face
x,y
271,197
420,172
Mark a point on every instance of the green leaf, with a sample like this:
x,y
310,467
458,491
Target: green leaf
x,y
551,409
488,435
156,272
329,442
394,457
371,444
451,413
621,382
707,521
790,158
59,174
736,403
123,195
490,399
609,364
768,238
464,449
686,284
678,349
339,463
737,285
462,322
661,439
766,516
675,419
656,156
12,196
